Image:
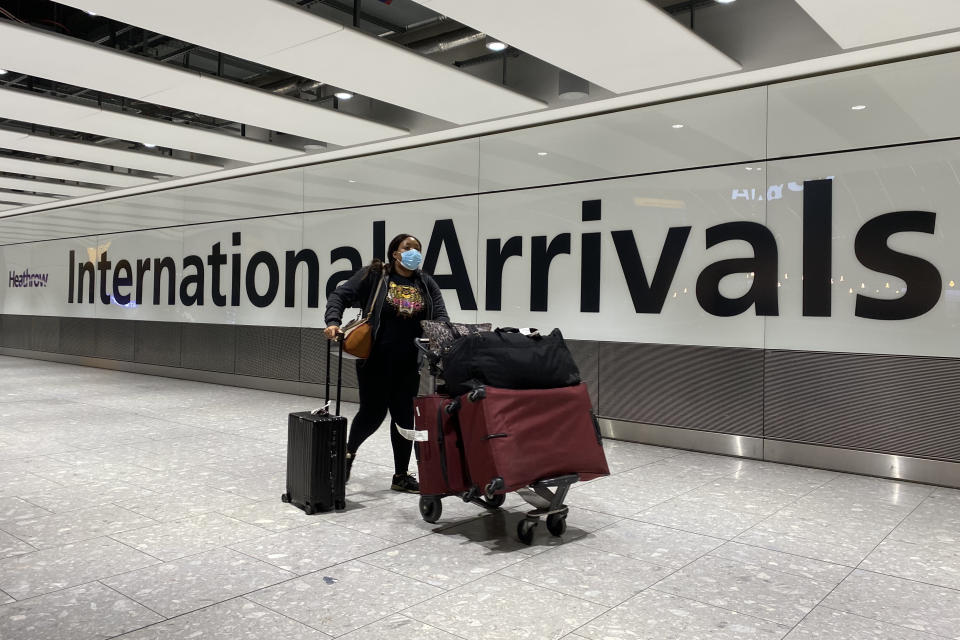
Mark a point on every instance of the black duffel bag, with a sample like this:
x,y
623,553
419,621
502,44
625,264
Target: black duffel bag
x,y
508,359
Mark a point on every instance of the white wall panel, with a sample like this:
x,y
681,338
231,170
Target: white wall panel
x,y
867,185
424,172
131,247
326,231
50,259
906,101
274,235
647,206
728,127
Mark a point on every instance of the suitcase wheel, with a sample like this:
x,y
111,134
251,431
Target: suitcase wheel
x,y
308,509
285,497
430,508
557,524
496,501
525,530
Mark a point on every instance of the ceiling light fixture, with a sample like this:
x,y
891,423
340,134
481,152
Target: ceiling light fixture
x,y
725,1
343,95
147,144
541,153
677,126
496,45
858,107
2,71
351,181
91,13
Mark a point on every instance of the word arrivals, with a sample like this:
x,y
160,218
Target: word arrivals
x,y
27,279
230,280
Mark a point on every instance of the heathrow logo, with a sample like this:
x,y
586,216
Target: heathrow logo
x,y
27,279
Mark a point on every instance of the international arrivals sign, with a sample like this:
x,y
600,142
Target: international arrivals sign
x,y
224,277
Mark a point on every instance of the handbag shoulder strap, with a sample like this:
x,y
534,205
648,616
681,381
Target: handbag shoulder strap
x,y
376,294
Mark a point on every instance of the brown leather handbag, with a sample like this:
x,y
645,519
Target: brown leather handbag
x,y
358,334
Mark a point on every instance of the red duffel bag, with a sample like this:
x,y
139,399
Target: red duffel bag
x,y
524,435
439,475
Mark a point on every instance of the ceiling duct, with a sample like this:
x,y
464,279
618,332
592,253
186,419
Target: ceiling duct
x,y
448,41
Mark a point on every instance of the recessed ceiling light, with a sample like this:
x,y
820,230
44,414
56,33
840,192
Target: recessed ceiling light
x,y
351,181
859,107
541,153
343,95
496,45
677,126
147,144
725,1
91,13
749,168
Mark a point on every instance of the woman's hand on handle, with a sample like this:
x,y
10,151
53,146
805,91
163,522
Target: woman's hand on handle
x,y
332,332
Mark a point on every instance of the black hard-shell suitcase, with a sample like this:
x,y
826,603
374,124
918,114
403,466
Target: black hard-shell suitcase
x,y
316,454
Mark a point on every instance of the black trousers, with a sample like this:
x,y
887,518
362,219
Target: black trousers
x,y
388,381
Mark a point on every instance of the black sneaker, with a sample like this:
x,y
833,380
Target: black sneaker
x,y
348,464
406,483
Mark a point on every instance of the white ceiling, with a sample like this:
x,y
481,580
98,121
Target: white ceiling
x,y
22,198
40,186
856,23
53,112
68,172
80,63
621,45
308,45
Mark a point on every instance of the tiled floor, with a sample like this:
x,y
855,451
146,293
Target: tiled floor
x,y
142,507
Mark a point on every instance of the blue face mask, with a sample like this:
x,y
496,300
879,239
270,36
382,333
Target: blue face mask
x,y
411,259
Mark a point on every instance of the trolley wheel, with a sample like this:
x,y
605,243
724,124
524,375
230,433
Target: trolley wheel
x,y
525,530
557,523
430,508
285,497
496,501
308,509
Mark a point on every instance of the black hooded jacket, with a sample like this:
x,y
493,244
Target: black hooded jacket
x,y
360,287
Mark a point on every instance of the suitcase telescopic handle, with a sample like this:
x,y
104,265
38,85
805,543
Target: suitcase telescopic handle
x,y
339,372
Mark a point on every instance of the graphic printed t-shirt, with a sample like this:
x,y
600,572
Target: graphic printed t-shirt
x,y
403,309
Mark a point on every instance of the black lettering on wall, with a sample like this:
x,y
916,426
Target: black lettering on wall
x,y
123,266
73,256
235,273
86,268
343,253
170,267
195,279
817,246
142,267
379,239
216,260
542,256
496,258
648,297
590,260
265,258
103,266
444,235
923,280
308,257
763,290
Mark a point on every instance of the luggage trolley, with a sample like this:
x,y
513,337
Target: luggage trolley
x,y
546,496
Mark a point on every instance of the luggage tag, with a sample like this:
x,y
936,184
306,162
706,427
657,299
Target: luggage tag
x,y
322,411
414,435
